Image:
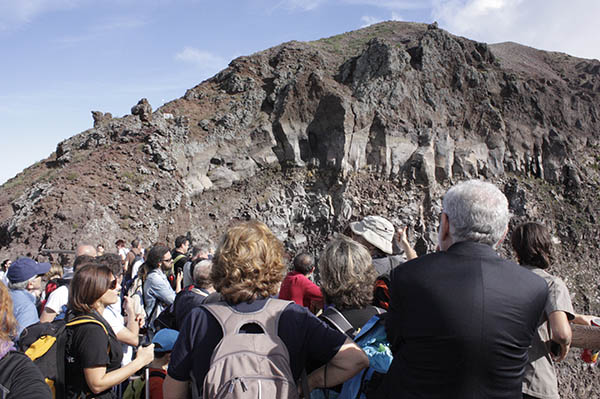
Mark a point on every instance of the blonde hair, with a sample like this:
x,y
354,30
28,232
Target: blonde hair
x,y
248,263
8,323
347,274
56,270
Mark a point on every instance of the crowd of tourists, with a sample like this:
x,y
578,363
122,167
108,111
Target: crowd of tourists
x,y
370,318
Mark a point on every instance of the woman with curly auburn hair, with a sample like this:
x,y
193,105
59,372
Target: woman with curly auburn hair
x,y
347,281
19,377
243,273
248,268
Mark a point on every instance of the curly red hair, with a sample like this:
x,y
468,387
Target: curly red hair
x,y
248,263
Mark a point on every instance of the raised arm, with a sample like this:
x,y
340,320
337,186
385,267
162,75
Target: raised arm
x,y
404,244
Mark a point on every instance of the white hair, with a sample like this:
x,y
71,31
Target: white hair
x,y
201,273
21,285
477,211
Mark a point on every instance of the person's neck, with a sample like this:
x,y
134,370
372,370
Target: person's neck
x,y
99,307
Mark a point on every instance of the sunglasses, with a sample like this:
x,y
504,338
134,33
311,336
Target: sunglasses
x,y
167,260
113,284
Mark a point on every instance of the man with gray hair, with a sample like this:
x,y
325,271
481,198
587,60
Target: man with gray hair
x,y
461,319
25,285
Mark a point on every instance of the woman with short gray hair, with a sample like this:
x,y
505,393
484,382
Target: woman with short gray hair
x,y
347,281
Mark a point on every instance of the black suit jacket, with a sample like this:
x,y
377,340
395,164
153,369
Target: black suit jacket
x,y
460,324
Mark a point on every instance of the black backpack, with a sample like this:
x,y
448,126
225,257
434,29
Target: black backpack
x,y
45,345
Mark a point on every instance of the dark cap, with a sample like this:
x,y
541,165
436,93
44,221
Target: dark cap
x,y
25,268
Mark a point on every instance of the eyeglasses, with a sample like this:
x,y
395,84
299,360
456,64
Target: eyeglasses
x,y
113,284
168,260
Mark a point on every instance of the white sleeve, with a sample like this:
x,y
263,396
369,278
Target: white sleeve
x,y
135,268
58,298
110,315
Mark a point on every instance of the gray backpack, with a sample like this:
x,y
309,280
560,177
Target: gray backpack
x,y
247,365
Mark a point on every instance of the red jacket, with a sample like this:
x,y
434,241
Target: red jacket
x,y
298,288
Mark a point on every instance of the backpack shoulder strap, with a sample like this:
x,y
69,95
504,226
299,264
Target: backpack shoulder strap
x,y
84,320
372,322
378,309
232,321
198,291
178,257
337,319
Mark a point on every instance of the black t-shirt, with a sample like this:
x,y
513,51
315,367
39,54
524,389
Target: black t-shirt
x,y
306,337
20,378
178,265
88,347
185,302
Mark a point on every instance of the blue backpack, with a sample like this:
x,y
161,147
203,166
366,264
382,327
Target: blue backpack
x,y
372,339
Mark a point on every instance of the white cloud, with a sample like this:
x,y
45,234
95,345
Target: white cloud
x,y
397,17
100,29
393,4
303,5
120,23
205,60
544,24
369,20
14,13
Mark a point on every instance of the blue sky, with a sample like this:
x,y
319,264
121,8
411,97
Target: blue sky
x,y
62,59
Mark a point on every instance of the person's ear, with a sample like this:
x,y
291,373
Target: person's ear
x,y
444,227
503,238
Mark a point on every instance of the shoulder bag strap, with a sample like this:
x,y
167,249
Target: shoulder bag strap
x,y
178,257
199,292
338,320
60,387
84,320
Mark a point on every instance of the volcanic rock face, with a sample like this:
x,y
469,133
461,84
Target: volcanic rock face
x,y
308,136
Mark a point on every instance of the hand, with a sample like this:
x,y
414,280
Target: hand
x,y
404,244
129,306
583,319
140,320
564,350
179,276
401,235
145,354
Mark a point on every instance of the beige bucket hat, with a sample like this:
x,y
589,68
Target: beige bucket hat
x,y
377,230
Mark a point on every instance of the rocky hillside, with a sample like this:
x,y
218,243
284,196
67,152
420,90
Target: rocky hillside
x,y
308,136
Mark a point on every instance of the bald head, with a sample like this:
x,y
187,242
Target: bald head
x,y
85,249
202,271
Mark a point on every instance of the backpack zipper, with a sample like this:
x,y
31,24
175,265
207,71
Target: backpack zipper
x,y
233,382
